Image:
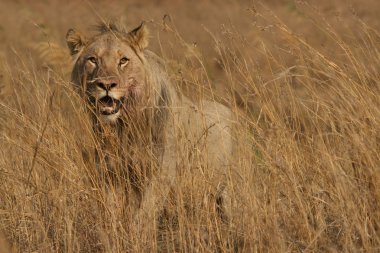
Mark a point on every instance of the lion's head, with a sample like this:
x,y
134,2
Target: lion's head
x,y
109,67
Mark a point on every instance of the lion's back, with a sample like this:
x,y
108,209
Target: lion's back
x,y
206,126
210,126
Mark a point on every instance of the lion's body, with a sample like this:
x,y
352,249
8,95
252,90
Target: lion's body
x,y
148,130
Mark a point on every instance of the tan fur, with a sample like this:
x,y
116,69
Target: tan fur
x,y
157,131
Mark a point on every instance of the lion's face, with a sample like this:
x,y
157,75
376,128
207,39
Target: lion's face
x,y
109,69
114,73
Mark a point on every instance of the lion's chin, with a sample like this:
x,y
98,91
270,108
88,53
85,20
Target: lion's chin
x,y
109,106
111,118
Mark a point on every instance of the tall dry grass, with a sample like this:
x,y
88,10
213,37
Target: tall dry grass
x,y
307,153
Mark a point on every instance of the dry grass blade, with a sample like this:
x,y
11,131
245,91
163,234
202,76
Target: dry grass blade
x,y
304,86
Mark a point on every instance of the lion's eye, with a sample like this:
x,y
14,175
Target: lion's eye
x,y
92,59
124,61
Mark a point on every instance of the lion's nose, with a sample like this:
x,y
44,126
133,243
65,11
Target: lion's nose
x,y
106,85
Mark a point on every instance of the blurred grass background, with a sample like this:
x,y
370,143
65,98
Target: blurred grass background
x,y
301,76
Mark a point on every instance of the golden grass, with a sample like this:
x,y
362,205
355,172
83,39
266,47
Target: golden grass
x,y
307,144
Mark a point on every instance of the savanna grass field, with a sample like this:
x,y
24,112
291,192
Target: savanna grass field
x,y
301,77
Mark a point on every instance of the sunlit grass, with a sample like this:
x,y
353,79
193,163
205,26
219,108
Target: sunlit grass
x,y
306,166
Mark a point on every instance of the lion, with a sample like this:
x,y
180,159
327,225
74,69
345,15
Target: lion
x,y
148,129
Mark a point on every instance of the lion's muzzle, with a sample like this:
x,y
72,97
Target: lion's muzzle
x,y
107,103
107,85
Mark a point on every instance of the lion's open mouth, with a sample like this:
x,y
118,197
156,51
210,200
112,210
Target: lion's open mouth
x,y
108,105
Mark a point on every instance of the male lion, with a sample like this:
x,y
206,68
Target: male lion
x,y
147,129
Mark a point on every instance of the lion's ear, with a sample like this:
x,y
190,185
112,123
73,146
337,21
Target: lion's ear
x,y
140,36
75,41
